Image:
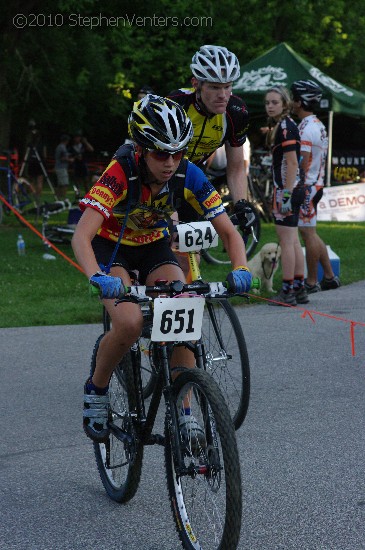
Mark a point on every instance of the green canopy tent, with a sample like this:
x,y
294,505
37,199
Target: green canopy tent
x,y
282,66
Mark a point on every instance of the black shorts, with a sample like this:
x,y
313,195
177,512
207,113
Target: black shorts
x,y
144,259
290,220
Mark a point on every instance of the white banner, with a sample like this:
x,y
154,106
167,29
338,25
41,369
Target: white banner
x,y
342,203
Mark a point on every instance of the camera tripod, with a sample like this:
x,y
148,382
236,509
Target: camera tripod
x,y
33,150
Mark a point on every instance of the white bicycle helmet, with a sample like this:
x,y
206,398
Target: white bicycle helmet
x,y
215,64
159,123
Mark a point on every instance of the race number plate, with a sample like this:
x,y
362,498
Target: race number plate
x,y
196,236
177,319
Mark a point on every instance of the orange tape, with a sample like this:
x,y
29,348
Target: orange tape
x,y
46,241
310,313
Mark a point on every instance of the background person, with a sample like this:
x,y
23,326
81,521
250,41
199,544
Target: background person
x,y
62,161
284,142
78,149
161,131
313,149
37,152
217,162
143,91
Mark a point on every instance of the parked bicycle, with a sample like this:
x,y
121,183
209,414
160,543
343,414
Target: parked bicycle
x,y
225,354
260,183
60,232
17,191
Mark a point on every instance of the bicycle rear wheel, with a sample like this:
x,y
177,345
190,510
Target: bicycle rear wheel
x,y
205,489
120,461
226,357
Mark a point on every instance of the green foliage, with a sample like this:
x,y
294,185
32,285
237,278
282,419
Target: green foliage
x,y
87,76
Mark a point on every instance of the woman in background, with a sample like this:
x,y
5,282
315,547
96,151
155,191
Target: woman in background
x,y
284,142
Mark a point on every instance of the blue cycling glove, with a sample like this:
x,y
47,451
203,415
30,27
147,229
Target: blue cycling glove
x,y
110,287
239,280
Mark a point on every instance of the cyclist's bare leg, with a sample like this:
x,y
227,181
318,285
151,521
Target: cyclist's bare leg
x,y
126,326
316,251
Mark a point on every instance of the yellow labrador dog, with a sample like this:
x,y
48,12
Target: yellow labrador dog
x,y
264,265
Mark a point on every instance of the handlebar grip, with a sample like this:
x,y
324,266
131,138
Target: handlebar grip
x,y
93,290
256,283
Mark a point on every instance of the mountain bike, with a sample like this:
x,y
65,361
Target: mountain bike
x,y
203,474
225,355
251,238
260,184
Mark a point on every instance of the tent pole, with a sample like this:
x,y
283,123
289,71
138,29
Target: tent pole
x,y
329,153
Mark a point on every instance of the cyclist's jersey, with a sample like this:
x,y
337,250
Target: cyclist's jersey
x,y
211,131
148,220
286,139
313,137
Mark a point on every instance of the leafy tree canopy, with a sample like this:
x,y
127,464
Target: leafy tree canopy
x,y
80,64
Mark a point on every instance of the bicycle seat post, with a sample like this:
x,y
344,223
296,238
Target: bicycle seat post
x,y
194,268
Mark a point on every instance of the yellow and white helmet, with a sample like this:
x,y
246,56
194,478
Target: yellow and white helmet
x,y
160,124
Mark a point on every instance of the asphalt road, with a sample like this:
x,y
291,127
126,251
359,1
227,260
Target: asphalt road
x,y
302,446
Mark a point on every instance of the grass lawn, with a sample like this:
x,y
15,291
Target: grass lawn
x,y
35,291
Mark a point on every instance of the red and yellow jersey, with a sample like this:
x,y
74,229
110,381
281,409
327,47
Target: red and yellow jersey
x,y
148,219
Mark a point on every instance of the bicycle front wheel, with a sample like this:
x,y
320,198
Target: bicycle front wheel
x,y
205,486
226,357
119,460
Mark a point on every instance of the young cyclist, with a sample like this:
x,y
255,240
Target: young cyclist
x,y
136,195
313,151
219,118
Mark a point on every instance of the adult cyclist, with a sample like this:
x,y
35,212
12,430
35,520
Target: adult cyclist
x,y
313,151
219,118
137,193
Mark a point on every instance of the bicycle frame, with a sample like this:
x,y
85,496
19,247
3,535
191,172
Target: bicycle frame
x,y
144,421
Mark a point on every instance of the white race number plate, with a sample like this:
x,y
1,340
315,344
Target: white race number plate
x,y
196,236
177,319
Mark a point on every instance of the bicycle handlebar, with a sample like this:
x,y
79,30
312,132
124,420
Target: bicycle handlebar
x,y
141,293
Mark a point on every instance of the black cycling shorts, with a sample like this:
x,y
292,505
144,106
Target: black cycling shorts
x,y
144,259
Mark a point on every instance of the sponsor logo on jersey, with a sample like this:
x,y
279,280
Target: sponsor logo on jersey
x,y
212,201
103,195
112,183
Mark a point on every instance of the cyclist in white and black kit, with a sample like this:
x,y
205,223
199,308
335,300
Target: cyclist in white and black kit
x,y
313,152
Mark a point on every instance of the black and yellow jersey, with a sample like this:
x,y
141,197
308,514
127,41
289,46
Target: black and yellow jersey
x,y
211,131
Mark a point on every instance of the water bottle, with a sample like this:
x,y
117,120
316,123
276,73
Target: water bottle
x,y
21,246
